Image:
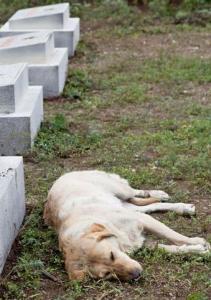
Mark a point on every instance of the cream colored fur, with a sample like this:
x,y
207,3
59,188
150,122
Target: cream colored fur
x,y
100,218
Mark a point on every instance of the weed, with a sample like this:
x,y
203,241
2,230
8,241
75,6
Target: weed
x,y
55,140
197,296
77,84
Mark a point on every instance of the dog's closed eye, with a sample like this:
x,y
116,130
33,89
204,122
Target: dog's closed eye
x,y
112,257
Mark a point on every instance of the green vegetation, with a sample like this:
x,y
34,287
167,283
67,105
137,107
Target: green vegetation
x,y
137,102
56,140
77,84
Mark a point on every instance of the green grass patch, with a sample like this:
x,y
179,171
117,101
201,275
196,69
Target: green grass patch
x,y
56,140
78,82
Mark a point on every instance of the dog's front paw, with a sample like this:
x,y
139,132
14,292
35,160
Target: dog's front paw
x,y
162,196
186,248
198,248
200,241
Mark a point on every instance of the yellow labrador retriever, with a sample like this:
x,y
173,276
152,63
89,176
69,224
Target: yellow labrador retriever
x,y
100,218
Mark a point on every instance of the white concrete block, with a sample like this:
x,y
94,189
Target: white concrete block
x,y
69,36
47,65
66,37
12,203
13,84
26,48
18,129
52,74
47,17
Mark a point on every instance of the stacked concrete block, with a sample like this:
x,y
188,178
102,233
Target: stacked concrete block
x,y
28,56
55,18
21,110
47,65
12,203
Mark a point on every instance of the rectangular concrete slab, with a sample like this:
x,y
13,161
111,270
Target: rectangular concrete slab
x,y
66,37
13,85
52,74
19,129
69,36
26,48
47,17
12,203
49,71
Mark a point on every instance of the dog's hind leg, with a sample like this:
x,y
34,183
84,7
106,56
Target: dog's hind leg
x,y
143,201
142,197
122,190
180,208
154,226
157,194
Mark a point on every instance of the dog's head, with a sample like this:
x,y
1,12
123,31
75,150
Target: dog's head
x,y
98,254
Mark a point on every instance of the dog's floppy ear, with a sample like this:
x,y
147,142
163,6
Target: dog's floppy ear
x,y
99,232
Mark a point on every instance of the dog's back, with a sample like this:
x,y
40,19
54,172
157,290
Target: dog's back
x,y
81,189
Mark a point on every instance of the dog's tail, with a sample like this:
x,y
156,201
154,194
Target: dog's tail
x,y
47,214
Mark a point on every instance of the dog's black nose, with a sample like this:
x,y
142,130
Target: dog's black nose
x,y
136,274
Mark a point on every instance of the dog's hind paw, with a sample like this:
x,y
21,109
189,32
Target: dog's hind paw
x,y
189,209
162,196
185,209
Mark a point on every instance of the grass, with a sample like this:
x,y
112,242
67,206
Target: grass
x,y
136,102
56,140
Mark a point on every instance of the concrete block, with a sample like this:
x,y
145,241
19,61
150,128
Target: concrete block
x,y
13,85
12,203
52,74
26,48
18,129
47,65
69,36
66,37
47,17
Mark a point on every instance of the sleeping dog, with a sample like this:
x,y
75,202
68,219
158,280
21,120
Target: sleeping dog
x,y
99,218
